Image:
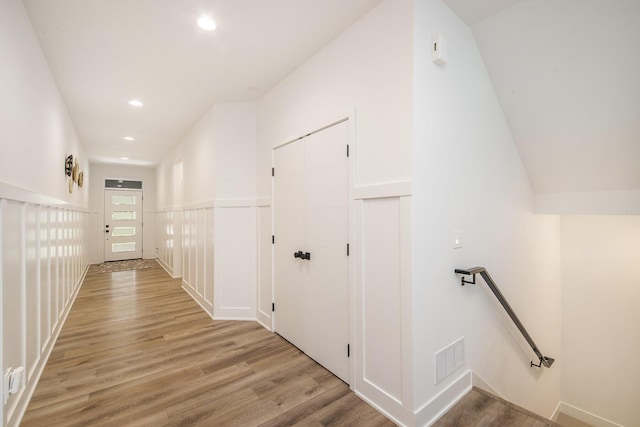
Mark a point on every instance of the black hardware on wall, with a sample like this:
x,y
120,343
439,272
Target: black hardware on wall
x,y
302,255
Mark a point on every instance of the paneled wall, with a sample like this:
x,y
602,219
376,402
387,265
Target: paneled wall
x,y
235,260
198,255
43,259
168,225
383,309
264,264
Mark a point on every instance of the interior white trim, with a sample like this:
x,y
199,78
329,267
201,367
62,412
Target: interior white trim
x,y
263,202
386,189
235,203
223,203
582,415
18,194
205,204
431,411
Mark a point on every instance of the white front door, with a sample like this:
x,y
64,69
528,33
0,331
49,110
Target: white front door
x,y
311,286
122,224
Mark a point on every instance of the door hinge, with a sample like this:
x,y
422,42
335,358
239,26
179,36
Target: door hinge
x,y
273,171
348,350
273,307
347,249
347,150
273,240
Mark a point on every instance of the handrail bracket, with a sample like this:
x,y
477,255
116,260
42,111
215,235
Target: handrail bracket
x,y
470,272
544,361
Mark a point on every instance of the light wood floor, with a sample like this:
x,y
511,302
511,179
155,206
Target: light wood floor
x,y
482,409
136,350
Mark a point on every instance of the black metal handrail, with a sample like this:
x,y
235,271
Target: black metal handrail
x,y
543,360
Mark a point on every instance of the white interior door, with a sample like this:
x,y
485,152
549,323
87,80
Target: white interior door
x,y
311,218
122,224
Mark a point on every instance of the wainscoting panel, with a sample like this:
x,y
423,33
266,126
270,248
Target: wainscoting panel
x,y
381,315
208,260
12,291
168,225
201,248
265,290
43,258
32,272
236,261
186,248
383,302
198,258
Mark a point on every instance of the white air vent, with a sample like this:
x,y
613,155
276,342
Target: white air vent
x,y
449,360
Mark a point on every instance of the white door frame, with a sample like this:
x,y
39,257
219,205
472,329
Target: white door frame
x,y
102,223
352,138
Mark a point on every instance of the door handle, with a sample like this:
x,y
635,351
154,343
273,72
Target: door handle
x,y
302,255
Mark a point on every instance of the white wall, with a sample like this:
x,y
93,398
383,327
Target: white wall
x,y
100,172
168,216
36,133
208,184
43,228
601,309
468,177
364,74
235,211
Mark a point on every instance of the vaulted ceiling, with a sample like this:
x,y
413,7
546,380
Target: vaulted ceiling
x,y
566,72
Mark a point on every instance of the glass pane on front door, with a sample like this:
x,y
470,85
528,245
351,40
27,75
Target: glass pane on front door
x,y
124,247
123,215
123,231
123,200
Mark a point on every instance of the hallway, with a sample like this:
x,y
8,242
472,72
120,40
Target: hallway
x,y
137,350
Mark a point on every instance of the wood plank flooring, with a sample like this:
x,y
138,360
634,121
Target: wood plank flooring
x,y
136,350
482,409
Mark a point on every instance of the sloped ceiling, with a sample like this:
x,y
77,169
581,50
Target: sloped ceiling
x,y
567,74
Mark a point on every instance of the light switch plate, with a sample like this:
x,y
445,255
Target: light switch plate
x,y
457,239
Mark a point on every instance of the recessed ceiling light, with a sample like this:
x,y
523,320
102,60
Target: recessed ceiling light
x,y
206,23
129,138
135,103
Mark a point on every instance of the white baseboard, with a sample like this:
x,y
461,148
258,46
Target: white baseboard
x,y
582,415
166,268
263,324
477,381
393,413
208,308
433,410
